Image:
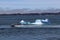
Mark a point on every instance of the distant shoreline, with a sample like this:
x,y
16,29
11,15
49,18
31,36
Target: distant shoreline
x,y
33,14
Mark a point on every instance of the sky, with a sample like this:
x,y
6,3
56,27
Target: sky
x,y
32,4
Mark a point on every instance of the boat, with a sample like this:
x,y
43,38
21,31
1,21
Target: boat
x,y
38,22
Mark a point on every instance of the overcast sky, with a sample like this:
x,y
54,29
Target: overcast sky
x,y
33,4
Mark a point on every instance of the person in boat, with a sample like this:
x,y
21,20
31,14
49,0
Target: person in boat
x,y
37,21
40,22
45,20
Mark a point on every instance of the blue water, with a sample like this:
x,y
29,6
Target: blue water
x,y
15,19
30,34
9,33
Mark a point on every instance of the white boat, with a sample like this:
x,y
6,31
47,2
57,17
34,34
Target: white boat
x,y
37,22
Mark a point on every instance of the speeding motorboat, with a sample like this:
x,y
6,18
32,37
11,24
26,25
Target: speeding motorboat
x,y
37,22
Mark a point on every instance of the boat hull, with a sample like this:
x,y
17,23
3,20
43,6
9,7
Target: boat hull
x,y
27,26
36,26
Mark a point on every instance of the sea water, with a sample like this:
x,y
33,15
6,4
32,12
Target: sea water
x,y
30,34
15,19
9,33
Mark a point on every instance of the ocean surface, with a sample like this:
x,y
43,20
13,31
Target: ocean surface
x,y
43,32
30,34
15,19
